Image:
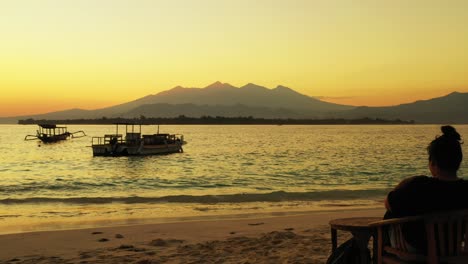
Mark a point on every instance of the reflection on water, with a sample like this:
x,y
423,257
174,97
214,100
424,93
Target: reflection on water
x,y
309,166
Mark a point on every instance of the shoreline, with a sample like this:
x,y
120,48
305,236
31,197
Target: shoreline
x,y
302,237
124,215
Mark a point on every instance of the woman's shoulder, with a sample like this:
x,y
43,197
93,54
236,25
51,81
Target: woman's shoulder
x,y
413,180
421,178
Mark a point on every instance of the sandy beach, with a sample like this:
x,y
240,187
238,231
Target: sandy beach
x,y
298,238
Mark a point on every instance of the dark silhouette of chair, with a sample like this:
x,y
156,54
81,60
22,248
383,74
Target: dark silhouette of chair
x,y
447,241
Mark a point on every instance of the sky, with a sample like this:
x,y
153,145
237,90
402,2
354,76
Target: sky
x,y
89,54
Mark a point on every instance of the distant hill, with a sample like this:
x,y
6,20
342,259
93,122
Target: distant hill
x,y
222,99
224,95
192,110
248,95
217,98
452,108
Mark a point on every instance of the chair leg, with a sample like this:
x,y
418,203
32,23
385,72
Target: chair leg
x,y
334,239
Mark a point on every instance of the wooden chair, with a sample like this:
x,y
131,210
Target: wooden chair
x,y
446,239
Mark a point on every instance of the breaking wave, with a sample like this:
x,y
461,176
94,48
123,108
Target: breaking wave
x,y
278,196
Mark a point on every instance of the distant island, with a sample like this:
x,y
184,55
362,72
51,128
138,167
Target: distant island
x,y
267,106
217,120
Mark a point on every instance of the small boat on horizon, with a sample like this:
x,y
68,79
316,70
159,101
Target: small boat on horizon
x,y
50,133
136,144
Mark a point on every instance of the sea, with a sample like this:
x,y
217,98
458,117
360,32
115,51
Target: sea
x,y
225,171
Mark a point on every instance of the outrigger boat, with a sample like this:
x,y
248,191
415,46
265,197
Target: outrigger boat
x,y
135,144
49,133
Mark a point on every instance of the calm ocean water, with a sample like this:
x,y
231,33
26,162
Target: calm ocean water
x,y
224,170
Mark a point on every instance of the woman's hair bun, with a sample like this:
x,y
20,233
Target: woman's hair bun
x,y
450,132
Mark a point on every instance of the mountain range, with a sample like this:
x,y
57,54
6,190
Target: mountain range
x,y
222,99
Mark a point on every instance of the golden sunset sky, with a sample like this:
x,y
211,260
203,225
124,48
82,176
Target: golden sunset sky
x,y
62,54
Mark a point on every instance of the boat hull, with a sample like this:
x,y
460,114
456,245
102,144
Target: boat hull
x,y
135,150
52,139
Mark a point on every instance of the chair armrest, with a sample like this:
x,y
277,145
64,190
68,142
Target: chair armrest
x,y
428,217
396,221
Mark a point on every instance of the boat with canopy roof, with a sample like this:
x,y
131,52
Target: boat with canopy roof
x,y
50,133
133,143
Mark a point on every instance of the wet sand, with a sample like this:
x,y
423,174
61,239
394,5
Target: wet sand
x,y
303,238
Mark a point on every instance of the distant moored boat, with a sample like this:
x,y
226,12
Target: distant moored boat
x,y
135,144
49,133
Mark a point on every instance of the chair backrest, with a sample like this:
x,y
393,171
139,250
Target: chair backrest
x,y
445,233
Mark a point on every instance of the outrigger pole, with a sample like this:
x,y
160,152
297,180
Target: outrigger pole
x,y
53,133
81,134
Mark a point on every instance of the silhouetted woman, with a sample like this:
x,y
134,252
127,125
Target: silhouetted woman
x,y
444,191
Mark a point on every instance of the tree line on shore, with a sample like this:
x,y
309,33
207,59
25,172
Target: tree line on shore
x,y
217,120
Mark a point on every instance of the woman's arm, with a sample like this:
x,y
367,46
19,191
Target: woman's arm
x,y
387,205
399,194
